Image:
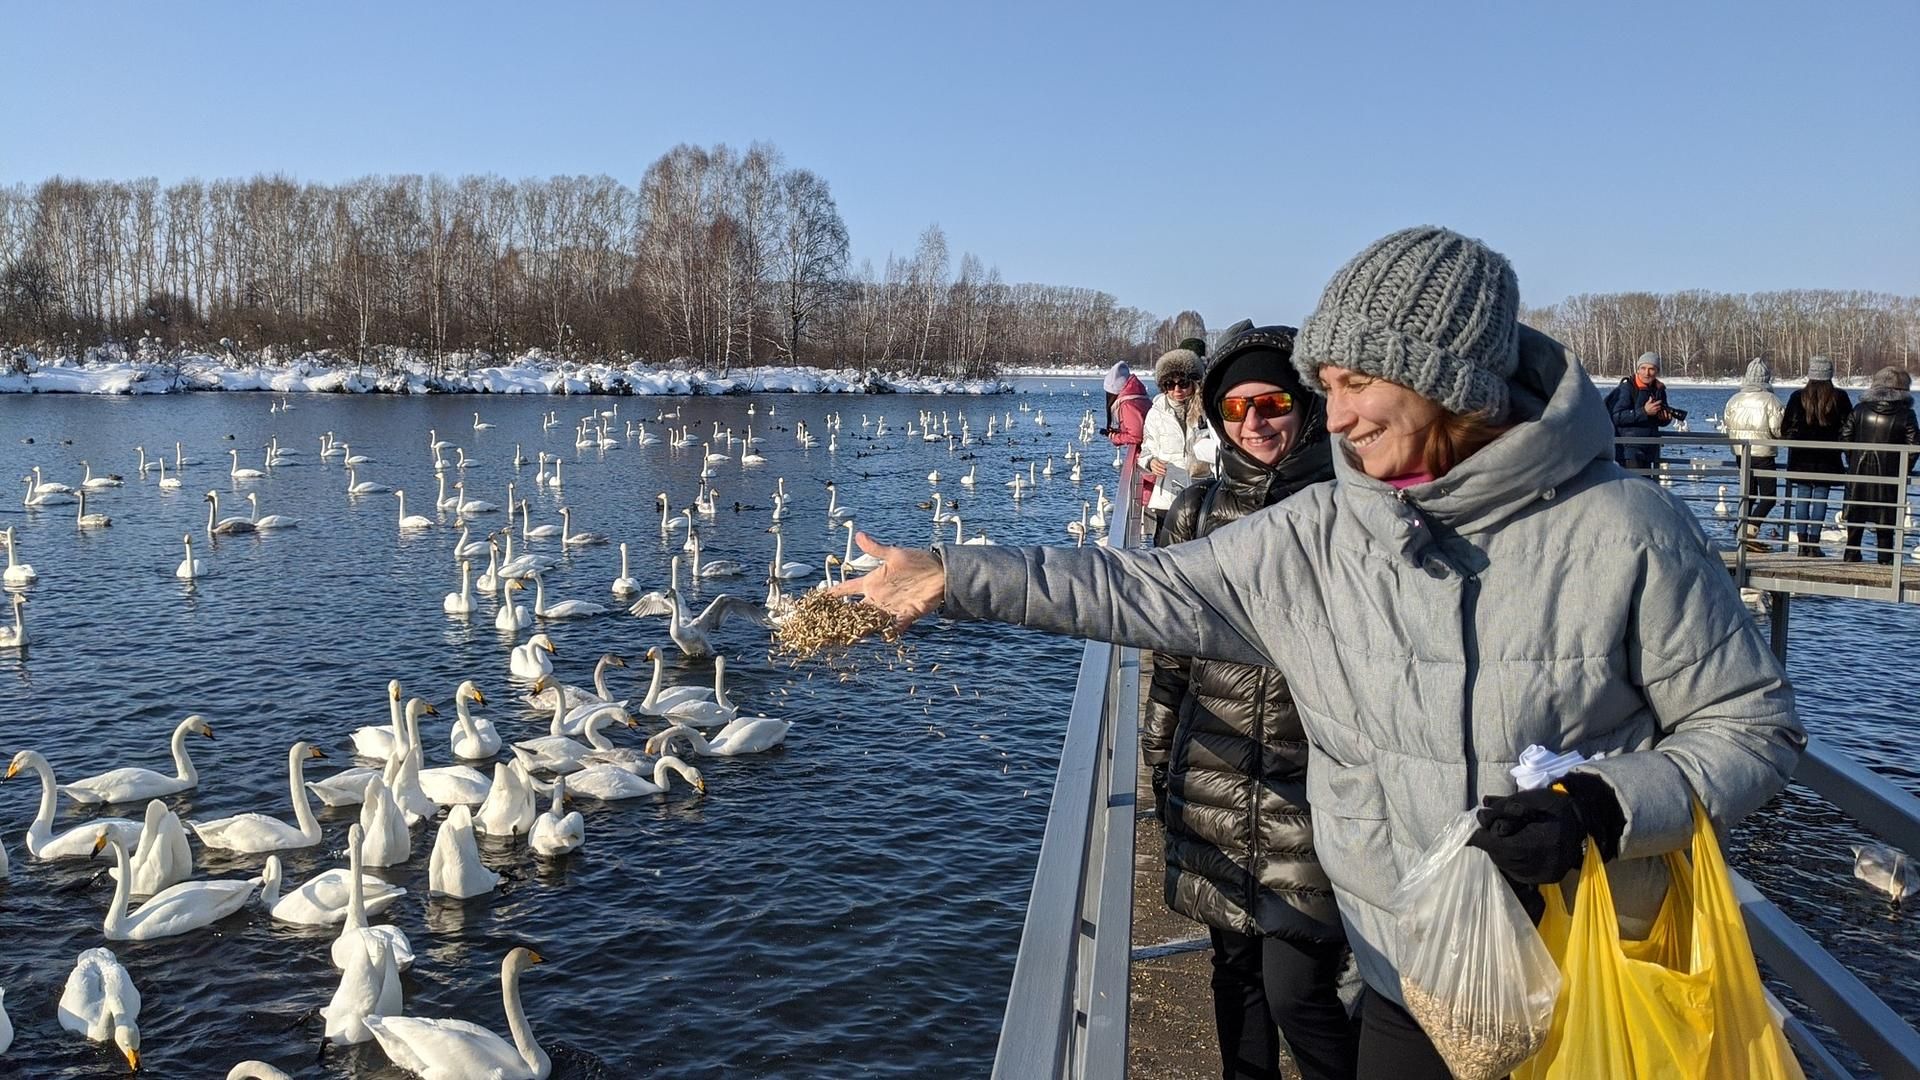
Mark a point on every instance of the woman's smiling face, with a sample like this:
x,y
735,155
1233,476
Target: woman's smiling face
x,y
1264,437
1384,422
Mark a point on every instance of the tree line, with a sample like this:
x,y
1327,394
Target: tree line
x,y
1707,334
716,256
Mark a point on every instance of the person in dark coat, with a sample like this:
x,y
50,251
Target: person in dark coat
x,y
1884,415
1815,413
1639,409
1229,754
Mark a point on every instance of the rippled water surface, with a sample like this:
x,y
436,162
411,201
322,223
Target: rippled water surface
x,y
847,905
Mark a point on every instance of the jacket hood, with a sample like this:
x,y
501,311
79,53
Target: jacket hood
x,y
1560,426
1886,398
1133,387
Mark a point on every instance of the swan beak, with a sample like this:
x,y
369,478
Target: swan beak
x,y
133,1060
315,752
700,786
207,731
431,711
13,769
99,843
535,958
479,698
548,645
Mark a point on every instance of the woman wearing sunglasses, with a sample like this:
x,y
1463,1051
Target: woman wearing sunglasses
x,y
1174,428
1479,577
1229,755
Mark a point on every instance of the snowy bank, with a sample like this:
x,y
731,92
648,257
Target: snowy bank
x,y
533,373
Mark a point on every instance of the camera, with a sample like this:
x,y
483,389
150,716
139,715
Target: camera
x,y
1677,414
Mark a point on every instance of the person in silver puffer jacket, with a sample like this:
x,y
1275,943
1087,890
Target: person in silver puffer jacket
x,y
1755,413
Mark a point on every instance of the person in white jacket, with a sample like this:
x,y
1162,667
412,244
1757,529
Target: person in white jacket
x,y
1754,413
1174,429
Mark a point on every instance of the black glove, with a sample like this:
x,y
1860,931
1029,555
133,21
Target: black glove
x,y
1160,793
1533,837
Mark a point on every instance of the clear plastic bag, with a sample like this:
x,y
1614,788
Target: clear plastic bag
x,y
1473,970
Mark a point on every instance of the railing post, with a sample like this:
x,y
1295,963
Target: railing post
x,y
1740,575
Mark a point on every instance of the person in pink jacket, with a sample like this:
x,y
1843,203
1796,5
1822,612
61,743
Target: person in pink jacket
x,y
1127,405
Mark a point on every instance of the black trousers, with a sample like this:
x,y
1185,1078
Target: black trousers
x,y
1392,1044
1766,489
1857,535
1641,456
1270,987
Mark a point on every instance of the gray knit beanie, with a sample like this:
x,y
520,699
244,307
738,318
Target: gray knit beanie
x,y
1759,374
1427,308
1820,368
1646,359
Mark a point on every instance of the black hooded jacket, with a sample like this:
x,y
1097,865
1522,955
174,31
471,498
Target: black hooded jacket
x,y
1239,836
1884,415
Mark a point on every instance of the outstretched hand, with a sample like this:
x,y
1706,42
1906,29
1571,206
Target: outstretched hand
x,y
909,584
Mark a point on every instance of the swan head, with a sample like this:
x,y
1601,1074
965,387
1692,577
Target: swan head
x,y
541,683
471,693
614,660
22,760
199,726
417,708
520,959
393,689
542,641
127,1038
100,843
307,750
272,874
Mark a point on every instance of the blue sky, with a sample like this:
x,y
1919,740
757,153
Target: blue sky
x,y
1223,157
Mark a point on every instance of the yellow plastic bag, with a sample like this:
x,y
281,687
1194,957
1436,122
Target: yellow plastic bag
x,y
1684,1004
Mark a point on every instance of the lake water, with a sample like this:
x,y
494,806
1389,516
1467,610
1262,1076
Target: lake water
x,y
848,905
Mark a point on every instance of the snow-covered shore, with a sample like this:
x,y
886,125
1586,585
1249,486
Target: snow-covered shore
x,y
531,373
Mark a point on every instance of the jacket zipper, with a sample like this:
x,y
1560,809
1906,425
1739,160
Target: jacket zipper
x,y
1469,657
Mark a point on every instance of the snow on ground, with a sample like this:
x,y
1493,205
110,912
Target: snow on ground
x,y
533,373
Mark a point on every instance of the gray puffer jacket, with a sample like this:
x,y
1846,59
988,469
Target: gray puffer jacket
x,y
1534,594
1239,832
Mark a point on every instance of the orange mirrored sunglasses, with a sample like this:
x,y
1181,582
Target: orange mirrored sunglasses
x,y
1272,406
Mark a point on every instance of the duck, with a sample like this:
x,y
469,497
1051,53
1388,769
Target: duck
x,y
232,526
256,834
742,736
15,636
271,521
692,634
323,899
17,573
457,1050
355,932
534,659
101,1003
472,737
410,522
175,910
163,857
557,831
454,868
134,784
77,842
609,783
190,568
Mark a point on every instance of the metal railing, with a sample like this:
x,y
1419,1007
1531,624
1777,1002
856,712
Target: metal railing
x,y
1067,1007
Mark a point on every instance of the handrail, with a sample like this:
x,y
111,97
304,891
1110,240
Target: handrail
x,y
1067,1005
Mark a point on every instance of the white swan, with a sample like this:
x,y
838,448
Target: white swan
x,y
18,573
408,521
557,831
388,842
489,581
458,1050
511,616
530,531
508,808
42,486
558,753
75,843
465,549
472,506
575,696
232,526
239,473
255,1069
744,736
669,521
403,772
15,636
480,425
690,633
256,834
534,659
472,737
380,740
862,561
699,713
167,483
101,1003
90,521
133,784
718,568
565,609
782,569
190,567
164,857
271,521
460,603
658,699
576,539
454,868
624,585
355,932
178,909
324,898
357,486
612,782
369,989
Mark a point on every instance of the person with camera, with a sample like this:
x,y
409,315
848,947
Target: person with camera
x,y
1639,408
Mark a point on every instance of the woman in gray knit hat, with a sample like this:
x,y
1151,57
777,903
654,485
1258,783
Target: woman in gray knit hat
x,y
1479,577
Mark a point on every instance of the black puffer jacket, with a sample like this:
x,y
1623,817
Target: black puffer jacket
x,y
1239,839
1884,415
